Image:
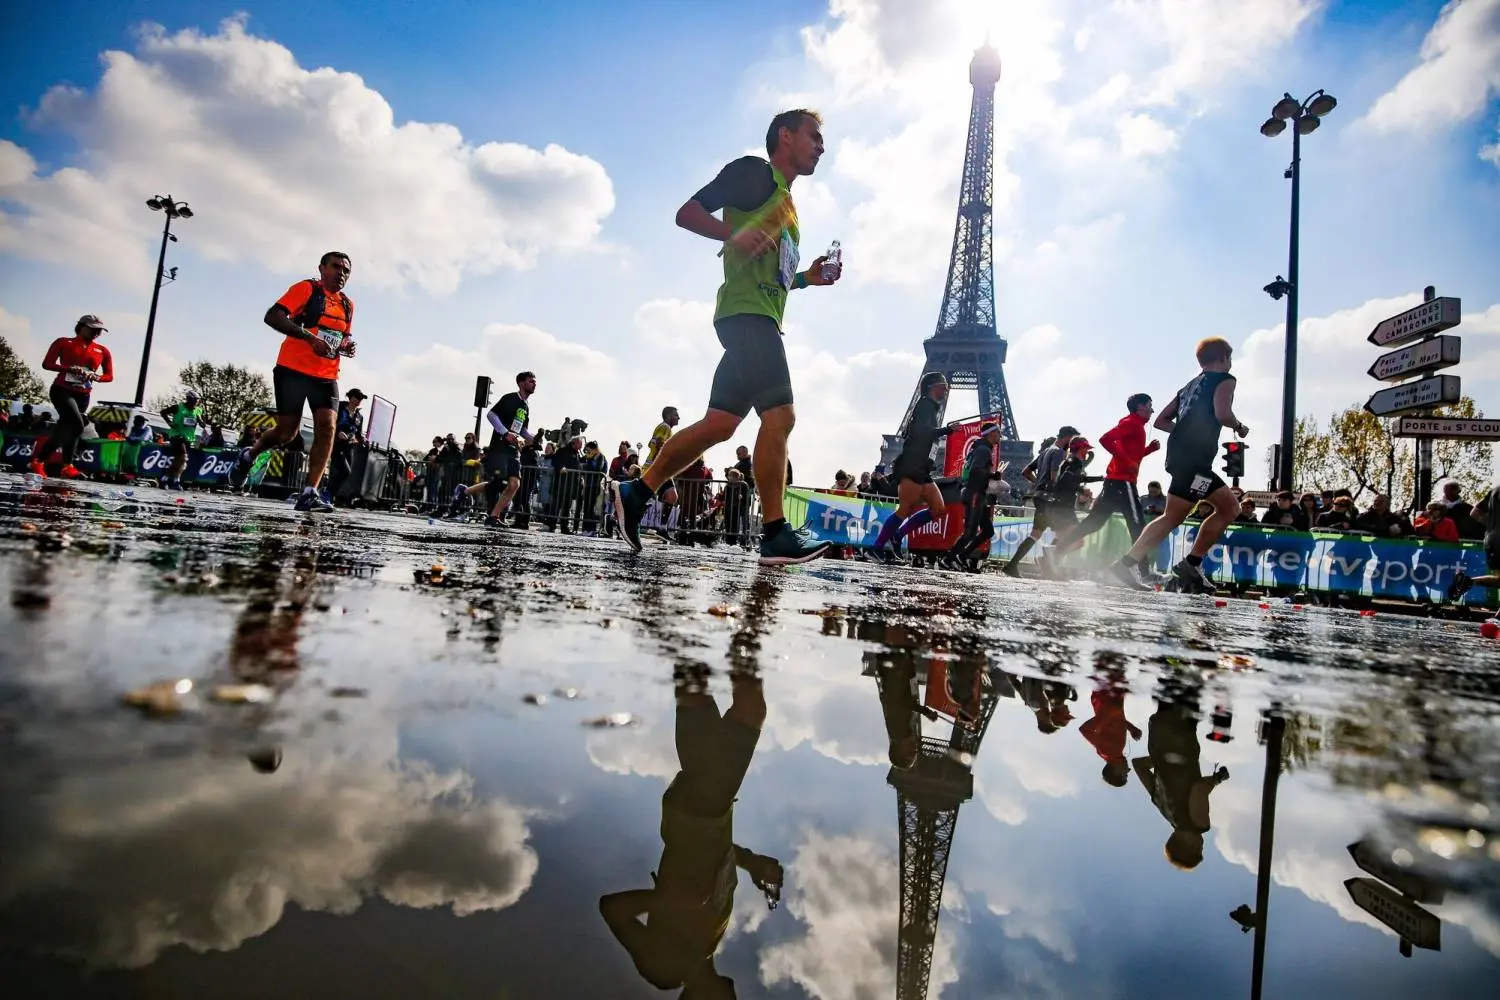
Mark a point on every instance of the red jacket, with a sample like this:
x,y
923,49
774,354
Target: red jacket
x,y
1126,444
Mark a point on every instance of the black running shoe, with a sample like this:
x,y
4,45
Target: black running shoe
x,y
1192,577
630,506
311,503
1460,586
491,521
1012,570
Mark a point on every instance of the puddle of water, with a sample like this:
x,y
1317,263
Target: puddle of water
x,y
792,812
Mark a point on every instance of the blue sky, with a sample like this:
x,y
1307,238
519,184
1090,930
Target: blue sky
x,y
1137,208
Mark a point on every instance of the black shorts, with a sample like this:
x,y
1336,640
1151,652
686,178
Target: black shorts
x,y
1195,485
921,475
753,372
715,752
502,464
178,447
293,388
1492,554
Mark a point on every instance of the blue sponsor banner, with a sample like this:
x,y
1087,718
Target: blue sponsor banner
x,y
208,468
19,448
1411,569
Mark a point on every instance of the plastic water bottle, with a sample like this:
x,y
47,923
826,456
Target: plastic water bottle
x,y
835,261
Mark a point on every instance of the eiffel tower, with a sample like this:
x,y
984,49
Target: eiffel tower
x,y
928,796
966,347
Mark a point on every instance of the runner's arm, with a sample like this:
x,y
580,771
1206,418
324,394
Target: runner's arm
x,y
106,367
620,910
693,217
1224,407
279,319
1167,418
53,360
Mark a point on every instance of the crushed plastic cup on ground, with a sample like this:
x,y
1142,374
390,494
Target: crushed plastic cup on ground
x,y
243,694
534,699
568,693
162,698
347,692
723,610
1490,629
1223,604
612,721
1236,661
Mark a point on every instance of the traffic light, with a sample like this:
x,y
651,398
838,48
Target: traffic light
x,y
481,392
1234,459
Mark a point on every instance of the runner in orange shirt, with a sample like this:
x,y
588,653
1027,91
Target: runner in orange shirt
x,y
315,317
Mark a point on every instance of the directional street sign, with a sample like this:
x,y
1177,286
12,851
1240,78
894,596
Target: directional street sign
x,y
1433,316
1406,918
1449,427
1409,883
1428,356
1419,395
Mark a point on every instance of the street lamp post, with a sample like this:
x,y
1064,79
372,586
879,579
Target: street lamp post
x,y
1305,117
173,210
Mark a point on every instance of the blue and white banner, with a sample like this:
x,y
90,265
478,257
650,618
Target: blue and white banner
x,y
1402,568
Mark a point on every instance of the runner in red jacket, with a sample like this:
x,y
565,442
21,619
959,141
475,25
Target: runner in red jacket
x,y
1126,444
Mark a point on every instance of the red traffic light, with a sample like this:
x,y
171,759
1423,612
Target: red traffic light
x,y
1230,447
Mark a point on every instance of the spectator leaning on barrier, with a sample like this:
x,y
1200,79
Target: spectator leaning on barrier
x,y
1341,517
1435,524
746,467
1379,520
1284,514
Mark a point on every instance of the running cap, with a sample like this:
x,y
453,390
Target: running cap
x,y
1067,431
191,394
987,427
92,322
1079,444
355,394
931,379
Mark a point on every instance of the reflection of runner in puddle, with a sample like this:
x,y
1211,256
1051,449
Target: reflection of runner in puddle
x,y
1048,701
1172,777
1107,730
688,909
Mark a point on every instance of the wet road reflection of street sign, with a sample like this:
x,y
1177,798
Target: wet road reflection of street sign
x,y
1430,317
1439,390
1414,925
1468,428
1430,355
1370,860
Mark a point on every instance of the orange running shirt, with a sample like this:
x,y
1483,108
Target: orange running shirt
x,y
298,355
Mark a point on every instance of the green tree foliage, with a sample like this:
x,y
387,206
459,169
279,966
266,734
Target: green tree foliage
x,y
228,393
1359,451
17,380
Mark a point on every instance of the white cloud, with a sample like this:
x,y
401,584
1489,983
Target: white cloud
x,y
1491,153
208,853
17,332
282,162
848,897
1458,71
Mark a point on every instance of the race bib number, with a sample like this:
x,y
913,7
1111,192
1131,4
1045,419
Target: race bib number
x,y
190,421
333,338
1200,486
73,378
790,256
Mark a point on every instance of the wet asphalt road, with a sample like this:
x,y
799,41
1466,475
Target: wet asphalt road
x,y
454,786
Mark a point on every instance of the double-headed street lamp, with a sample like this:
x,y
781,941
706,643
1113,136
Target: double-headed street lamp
x,y
174,210
1305,117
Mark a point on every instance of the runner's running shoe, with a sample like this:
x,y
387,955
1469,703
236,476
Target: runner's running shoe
x,y
240,471
37,468
630,503
1460,586
1126,575
1192,577
310,503
70,471
789,546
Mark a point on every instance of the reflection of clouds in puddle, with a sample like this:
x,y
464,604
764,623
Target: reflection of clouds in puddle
x,y
846,894
1313,824
115,867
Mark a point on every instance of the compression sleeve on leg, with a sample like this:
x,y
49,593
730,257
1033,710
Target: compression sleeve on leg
x,y
912,523
887,531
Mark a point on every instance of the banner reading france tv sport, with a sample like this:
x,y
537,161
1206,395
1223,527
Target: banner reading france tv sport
x,y
1404,568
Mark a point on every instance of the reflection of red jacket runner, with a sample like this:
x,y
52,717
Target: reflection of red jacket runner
x,y
1126,444
1106,730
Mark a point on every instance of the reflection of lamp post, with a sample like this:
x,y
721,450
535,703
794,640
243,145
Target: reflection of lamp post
x,y
1305,118
174,210
1272,729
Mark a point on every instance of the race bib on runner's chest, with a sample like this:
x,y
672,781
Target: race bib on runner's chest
x,y
790,256
73,378
333,338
